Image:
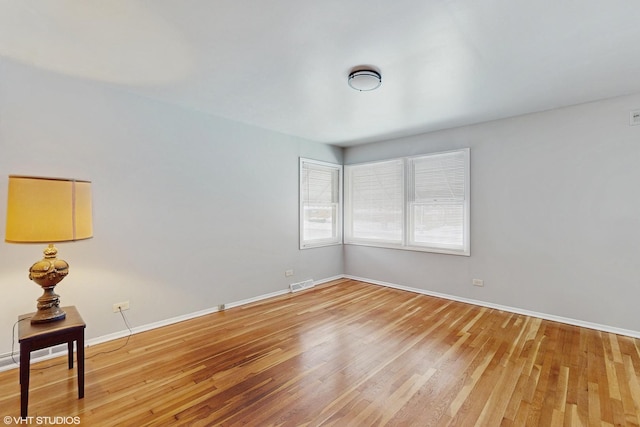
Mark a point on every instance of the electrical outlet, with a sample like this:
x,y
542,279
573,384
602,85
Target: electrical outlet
x,y
477,282
120,306
288,273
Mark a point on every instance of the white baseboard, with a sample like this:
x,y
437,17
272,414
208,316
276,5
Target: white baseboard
x,y
6,362
545,316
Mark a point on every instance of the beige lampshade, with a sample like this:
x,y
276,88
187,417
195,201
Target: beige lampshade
x,y
48,210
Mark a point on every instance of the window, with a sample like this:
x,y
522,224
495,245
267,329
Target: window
x,y
375,202
416,203
320,204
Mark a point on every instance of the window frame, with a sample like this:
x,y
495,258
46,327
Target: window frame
x,y
408,231
337,206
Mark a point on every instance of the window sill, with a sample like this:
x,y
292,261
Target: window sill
x,y
411,248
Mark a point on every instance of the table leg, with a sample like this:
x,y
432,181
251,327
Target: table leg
x,y
80,353
70,353
25,360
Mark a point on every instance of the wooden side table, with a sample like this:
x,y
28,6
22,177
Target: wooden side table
x,y
42,335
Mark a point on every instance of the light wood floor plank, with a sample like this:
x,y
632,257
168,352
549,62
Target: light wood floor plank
x,y
348,354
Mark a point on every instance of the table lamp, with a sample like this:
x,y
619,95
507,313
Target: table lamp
x,y
48,210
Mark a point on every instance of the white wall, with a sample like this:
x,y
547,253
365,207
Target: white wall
x,y
190,211
555,215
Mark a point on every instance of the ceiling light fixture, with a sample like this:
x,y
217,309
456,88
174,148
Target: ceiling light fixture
x,y
365,80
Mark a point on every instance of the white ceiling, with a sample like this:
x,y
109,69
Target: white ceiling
x,y
283,64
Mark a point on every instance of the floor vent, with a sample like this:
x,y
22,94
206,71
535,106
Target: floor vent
x,y
295,287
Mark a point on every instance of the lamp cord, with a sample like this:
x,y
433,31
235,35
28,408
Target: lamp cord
x,y
13,339
126,322
13,342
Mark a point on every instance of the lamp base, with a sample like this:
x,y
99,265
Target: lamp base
x,y
47,273
49,315
48,308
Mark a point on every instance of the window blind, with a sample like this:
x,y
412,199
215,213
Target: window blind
x,y
320,207
437,211
376,201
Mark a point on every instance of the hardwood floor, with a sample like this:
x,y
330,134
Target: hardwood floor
x,y
348,353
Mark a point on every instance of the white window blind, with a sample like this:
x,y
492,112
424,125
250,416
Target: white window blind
x,y
438,201
320,203
376,202
416,203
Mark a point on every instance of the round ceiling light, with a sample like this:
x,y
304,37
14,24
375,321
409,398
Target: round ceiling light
x,y
365,80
